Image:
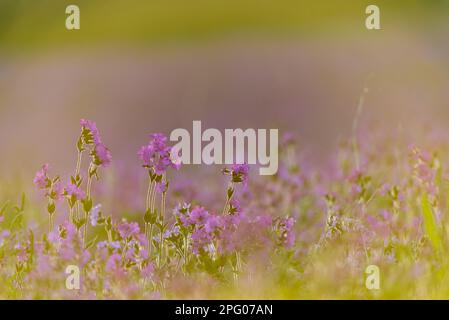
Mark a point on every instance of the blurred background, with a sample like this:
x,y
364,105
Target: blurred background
x,y
143,66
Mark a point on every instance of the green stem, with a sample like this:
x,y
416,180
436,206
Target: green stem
x,y
149,194
51,223
228,201
88,196
78,164
149,226
153,198
150,241
162,218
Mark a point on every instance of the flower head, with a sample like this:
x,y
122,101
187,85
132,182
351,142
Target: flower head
x,y
102,155
91,136
157,155
127,230
239,173
90,132
212,224
41,179
199,216
73,190
95,215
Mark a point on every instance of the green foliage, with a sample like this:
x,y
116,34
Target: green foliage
x,y
430,224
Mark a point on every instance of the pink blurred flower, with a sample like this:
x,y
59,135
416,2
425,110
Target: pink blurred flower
x,y
127,230
41,179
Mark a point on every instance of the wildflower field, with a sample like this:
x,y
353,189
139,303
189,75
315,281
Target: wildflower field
x,y
94,206
307,232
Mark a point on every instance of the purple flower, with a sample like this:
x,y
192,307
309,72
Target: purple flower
x,y
85,257
57,191
146,154
212,224
41,179
199,216
115,245
162,186
159,141
95,214
73,190
102,155
157,155
67,231
53,237
200,239
113,263
127,230
239,173
181,209
90,131
67,251
147,271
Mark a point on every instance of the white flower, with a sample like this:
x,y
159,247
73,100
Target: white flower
x,y
94,215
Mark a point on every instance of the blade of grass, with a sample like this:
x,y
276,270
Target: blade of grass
x,y
430,224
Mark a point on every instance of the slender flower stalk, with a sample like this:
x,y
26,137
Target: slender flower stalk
x,y
229,195
88,202
156,158
148,219
53,192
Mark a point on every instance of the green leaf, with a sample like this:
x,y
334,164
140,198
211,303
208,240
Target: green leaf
x,y
108,225
79,223
430,224
230,192
51,207
87,204
150,217
4,207
79,144
17,221
91,243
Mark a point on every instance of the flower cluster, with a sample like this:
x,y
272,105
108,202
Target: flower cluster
x,y
156,155
90,136
116,251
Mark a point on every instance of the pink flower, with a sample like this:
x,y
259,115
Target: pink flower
x,y
73,190
157,155
200,239
102,155
85,257
57,191
146,154
239,173
95,215
90,131
212,224
41,179
159,141
199,216
127,230
147,271
114,263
